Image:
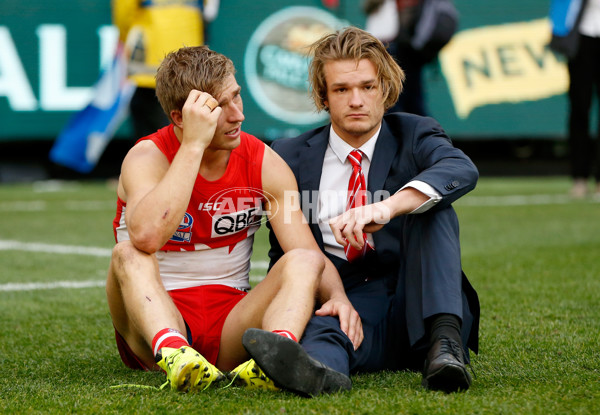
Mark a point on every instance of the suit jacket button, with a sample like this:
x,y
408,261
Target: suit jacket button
x,y
451,186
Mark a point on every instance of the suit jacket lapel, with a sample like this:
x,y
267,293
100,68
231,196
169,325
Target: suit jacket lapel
x,y
310,168
311,161
383,156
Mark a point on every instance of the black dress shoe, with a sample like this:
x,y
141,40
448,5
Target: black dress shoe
x,y
290,367
445,368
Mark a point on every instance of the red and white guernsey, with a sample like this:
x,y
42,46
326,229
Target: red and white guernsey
x,y
213,243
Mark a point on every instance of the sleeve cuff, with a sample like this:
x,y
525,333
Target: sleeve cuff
x,y
426,189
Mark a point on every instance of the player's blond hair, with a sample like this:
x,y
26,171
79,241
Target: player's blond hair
x,y
189,68
355,44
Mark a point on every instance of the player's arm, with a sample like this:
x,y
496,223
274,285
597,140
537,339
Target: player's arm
x,y
292,231
157,193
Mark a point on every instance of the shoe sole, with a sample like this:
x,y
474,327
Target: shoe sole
x,y
448,378
251,382
290,367
186,377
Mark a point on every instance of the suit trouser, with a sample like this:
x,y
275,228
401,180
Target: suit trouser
x,y
394,303
584,73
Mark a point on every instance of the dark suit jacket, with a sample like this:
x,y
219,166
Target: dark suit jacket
x,y
409,147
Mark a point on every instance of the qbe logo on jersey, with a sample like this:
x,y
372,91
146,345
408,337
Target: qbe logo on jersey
x,y
235,210
236,221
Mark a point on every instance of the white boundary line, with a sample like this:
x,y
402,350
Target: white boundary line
x,y
70,205
519,200
11,245
33,286
37,205
469,200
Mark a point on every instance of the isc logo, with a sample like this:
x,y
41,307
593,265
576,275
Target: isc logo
x,y
234,222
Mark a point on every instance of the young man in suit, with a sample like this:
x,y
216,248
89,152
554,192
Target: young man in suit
x,y
377,192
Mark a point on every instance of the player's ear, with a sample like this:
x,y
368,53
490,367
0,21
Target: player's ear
x,y
177,118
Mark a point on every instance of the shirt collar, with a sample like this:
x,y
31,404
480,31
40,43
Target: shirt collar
x,y
341,149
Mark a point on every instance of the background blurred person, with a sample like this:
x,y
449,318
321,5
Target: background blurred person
x,y
421,29
150,30
576,34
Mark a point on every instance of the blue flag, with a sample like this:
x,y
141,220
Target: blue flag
x,y
563,15
84,138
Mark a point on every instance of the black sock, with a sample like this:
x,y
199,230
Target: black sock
x,y
444,325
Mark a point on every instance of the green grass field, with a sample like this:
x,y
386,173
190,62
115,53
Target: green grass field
x,y
532,254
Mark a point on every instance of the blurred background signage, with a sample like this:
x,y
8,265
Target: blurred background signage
x,y
496,78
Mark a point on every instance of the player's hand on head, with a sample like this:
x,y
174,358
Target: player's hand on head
x,y
200,114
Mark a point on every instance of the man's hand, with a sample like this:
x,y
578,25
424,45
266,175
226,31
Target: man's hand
x,y
350,322
348,227
200,114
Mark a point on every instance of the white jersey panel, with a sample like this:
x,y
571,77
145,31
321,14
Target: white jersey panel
x,y
204,266
185,269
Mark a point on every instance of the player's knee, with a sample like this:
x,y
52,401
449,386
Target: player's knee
x,y
124,254
122,251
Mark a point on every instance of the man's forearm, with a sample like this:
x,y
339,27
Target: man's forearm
x,y
331,284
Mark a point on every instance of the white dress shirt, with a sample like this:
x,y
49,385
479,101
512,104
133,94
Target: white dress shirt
x,y
333,188
590,20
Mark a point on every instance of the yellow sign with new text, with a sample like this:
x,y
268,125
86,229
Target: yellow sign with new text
x,y
503,63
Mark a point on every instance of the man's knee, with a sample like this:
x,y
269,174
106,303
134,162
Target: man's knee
x,y
324,341
437,233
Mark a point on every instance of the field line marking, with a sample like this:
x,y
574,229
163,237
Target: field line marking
x,y
33,286
470,200
12,245
70,205
518,200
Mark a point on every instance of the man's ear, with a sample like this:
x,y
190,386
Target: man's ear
x,y
177,118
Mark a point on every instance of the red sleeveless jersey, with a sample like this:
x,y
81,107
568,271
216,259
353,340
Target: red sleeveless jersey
x,y
221,212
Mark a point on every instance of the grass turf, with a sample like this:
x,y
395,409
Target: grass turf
x,y
534,260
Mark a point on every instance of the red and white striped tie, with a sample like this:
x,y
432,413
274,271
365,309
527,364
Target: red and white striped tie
x,y
357,196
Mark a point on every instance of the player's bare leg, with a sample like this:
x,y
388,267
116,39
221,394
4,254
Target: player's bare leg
x,y
138,303
284,300
278,361
143,313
